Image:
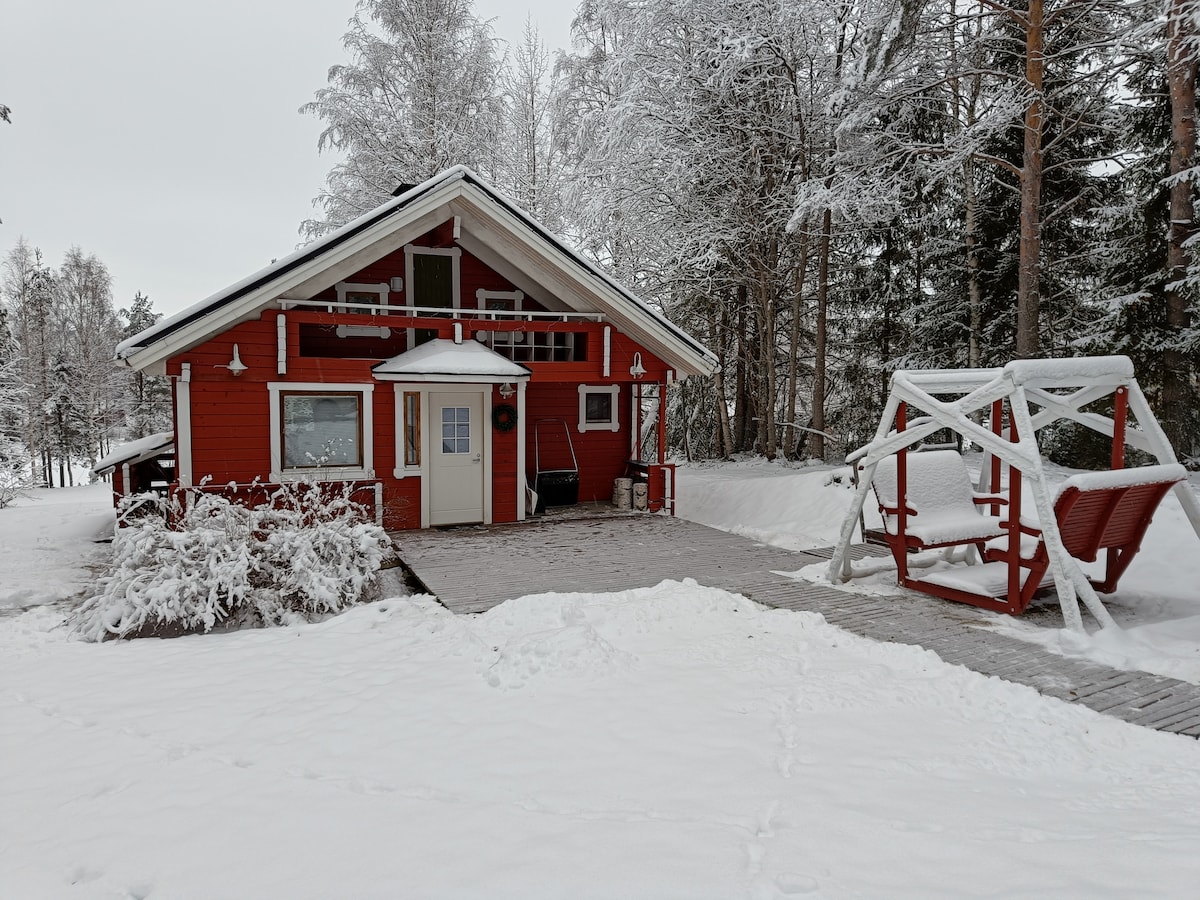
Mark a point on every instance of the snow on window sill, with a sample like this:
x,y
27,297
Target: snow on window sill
x,y
333,473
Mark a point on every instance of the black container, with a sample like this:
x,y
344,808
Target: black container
x,y
557,489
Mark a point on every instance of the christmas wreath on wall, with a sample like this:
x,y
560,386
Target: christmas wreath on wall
x,y
504,417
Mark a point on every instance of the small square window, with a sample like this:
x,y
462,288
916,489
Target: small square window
x,y
598,408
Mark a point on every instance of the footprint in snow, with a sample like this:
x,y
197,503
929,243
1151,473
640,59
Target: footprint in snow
x,y
792,883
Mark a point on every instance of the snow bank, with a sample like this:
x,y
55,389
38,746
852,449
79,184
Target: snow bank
x,y
794,508
669,742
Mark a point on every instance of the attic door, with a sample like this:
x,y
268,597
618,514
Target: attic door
x,y
432,282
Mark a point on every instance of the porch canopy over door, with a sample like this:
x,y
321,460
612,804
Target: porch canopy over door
x,y
455,382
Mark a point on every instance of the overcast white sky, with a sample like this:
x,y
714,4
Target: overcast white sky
x,y
165,138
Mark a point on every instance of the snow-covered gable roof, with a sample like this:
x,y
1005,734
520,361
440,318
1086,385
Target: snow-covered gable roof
x,y
445,360
492,228
134,452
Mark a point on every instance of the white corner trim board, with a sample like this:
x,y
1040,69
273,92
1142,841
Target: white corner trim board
x,y
183,426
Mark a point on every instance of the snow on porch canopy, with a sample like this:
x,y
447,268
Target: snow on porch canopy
x,y
444,360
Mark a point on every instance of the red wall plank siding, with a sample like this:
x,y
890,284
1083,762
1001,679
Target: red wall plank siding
x,y
504,463
601,455
473,274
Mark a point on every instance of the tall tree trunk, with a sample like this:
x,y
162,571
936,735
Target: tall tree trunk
x,y
1029,269
717,338
799,274
974,291
816,440
1181,81
766,292
740,412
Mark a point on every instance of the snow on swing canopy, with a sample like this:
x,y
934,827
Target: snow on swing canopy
x,y
1038,392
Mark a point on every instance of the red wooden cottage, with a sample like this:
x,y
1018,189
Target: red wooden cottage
x,y
444,353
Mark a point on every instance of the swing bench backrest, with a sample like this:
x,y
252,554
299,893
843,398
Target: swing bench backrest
x,y
941,506
1110,511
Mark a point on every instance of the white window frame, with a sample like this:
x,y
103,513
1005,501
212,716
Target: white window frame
x,y
323,473
615,423
483,295
402,470
345,287
501,339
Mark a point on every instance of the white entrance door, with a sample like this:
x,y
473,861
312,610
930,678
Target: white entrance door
x,y
456,470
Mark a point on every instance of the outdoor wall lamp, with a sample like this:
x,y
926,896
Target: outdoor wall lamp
x,y
637,370
235,365
506,390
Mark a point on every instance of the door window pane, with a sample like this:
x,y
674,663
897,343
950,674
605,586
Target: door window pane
x,y
456,429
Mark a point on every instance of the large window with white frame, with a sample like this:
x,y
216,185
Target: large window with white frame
x,y
320,431
598,407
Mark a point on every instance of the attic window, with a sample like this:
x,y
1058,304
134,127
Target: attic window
x,y
370,294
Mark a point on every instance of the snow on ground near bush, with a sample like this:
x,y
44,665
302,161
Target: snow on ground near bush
x,y
799,508
47,543
668,742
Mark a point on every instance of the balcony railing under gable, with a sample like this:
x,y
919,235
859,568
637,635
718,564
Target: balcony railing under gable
x,y
379,330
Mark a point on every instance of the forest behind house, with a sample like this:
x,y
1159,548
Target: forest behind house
x,y
822,192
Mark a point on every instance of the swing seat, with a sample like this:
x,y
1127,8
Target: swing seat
x,y
1106,511
942,509
1094,511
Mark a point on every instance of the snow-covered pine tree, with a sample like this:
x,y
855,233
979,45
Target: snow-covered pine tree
x,y
148,397
418,95
14,457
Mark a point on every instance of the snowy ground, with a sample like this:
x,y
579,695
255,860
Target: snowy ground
x,y
670,742
47,544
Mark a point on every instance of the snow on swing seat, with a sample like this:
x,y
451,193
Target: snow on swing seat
x,y
989,579
942,506
1094,511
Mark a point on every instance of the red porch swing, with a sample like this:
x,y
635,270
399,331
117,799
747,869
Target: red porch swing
x,y
927,501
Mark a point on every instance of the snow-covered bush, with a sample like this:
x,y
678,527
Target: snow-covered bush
x,y
306,551
14,473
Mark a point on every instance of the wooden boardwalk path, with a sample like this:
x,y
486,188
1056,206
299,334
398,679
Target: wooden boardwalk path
x,y
472,569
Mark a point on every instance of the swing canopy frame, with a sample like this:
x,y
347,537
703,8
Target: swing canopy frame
x,y
1002,410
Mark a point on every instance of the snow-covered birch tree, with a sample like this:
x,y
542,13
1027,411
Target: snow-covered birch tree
x,y
419,94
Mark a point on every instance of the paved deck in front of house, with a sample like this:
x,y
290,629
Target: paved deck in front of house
x,y
472,569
